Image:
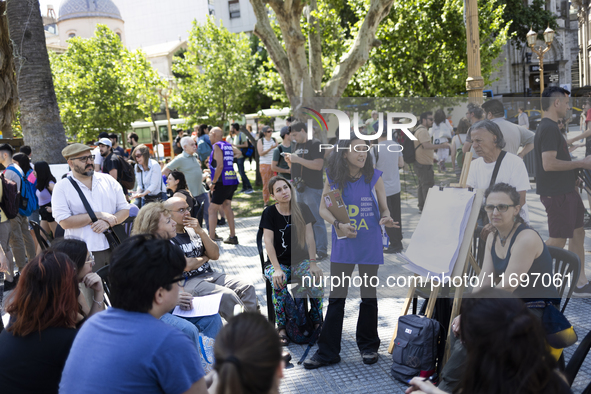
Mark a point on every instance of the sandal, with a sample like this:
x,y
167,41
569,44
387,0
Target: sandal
x,y
283,338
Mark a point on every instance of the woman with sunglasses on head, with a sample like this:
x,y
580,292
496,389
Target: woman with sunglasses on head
x,y
289,240
77,251
44,311
265,146
350,171
149,183
516,260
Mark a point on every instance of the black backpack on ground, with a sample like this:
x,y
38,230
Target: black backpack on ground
x,y
10,201
415,347
126,177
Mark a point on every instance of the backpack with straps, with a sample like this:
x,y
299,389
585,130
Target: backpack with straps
x,y
247,152
204,149
27,203
9,203
408,148
126,177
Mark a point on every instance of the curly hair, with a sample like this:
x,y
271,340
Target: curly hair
x,y
146,221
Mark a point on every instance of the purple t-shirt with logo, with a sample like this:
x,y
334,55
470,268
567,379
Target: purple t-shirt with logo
x,y
362,205
228,174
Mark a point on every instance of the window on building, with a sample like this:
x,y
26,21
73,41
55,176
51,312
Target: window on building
x,y
71,35
234,8
118,35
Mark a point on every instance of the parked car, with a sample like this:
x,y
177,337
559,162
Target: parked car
x,y
534,115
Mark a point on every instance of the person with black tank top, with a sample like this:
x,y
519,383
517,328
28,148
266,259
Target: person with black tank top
x,y
516,260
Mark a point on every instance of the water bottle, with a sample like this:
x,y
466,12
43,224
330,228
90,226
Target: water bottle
x,y
385,238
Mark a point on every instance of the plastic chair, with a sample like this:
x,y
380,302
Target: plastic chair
x,y
576,361
270,307
42,237
565,262
104,274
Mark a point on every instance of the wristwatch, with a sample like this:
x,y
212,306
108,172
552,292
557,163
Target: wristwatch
x,y
336,223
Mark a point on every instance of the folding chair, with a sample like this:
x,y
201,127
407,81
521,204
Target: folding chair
x,y
270,307
42,237
565,263
104,274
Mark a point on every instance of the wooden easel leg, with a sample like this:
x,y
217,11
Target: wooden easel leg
x,y
455,310
405,306
432,300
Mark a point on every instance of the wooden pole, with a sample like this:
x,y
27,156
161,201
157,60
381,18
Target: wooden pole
x,y
475,82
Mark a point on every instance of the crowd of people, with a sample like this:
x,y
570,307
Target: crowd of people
x,y
62,331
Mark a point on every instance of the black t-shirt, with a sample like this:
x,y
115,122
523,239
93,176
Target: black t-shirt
x,y
111,162
282,235
552,183
310,150
119,151
34,363
175,148
192,248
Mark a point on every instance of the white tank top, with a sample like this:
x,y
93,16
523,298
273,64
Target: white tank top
x,y
268,158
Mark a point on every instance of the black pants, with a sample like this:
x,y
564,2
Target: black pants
x,y
329,343
395,234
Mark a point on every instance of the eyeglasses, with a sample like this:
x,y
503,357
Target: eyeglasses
x,y
182,210
269,131
182,281
137,156
90,260
501,207
84,159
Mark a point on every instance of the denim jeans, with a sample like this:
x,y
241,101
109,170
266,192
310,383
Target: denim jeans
x,y
204,213
245,181
311,198
208,326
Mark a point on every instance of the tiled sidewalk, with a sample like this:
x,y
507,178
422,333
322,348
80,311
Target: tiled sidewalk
x,y
351,375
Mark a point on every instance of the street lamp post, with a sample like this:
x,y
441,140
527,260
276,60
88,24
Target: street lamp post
x,y
531,42
165,94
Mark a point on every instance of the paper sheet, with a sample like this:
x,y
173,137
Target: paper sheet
x,y
202,306
435,243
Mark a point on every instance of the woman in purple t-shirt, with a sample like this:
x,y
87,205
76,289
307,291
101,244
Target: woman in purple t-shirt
x,y
350,170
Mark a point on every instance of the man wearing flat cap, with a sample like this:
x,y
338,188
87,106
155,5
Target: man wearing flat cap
x,y
104,194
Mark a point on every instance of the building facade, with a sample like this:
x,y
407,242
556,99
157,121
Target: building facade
x,y
519,70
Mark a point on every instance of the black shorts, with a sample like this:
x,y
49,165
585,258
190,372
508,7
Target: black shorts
x,y
222,193
47,216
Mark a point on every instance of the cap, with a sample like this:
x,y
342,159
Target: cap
x,y
284,131
103,134
74,150
267,128
105,141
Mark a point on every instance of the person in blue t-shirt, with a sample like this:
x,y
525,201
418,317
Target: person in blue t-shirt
x,y
350,171
126,349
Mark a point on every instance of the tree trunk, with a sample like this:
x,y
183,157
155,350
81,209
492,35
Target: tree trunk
x,y
302,81
40,117
8,95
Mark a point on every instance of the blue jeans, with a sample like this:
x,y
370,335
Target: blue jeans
x,y
311,198
245,181
209,326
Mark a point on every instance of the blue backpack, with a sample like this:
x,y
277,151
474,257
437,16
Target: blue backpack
x,y
27,197
204,149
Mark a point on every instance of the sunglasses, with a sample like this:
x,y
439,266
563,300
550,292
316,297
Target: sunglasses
x,y
84,159
137,156
501,207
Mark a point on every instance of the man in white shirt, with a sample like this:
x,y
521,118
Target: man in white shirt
x,y
488,141
104,194
387,157
522,118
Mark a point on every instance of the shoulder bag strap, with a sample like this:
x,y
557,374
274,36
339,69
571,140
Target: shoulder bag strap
x,y
84,200
493,179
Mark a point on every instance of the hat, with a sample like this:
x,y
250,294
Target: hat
x,y
284,131
75,149
103,134
105,141
266,128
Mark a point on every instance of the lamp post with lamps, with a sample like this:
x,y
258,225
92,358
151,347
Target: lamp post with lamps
x,y
531,42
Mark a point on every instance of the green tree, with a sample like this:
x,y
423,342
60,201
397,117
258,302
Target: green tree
x,y
102,86
523,17
213,74
423,51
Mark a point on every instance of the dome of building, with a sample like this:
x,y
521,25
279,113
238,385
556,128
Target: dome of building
x,y
71,9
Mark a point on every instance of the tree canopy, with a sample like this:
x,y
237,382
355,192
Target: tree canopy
x,y
213,74
102,86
